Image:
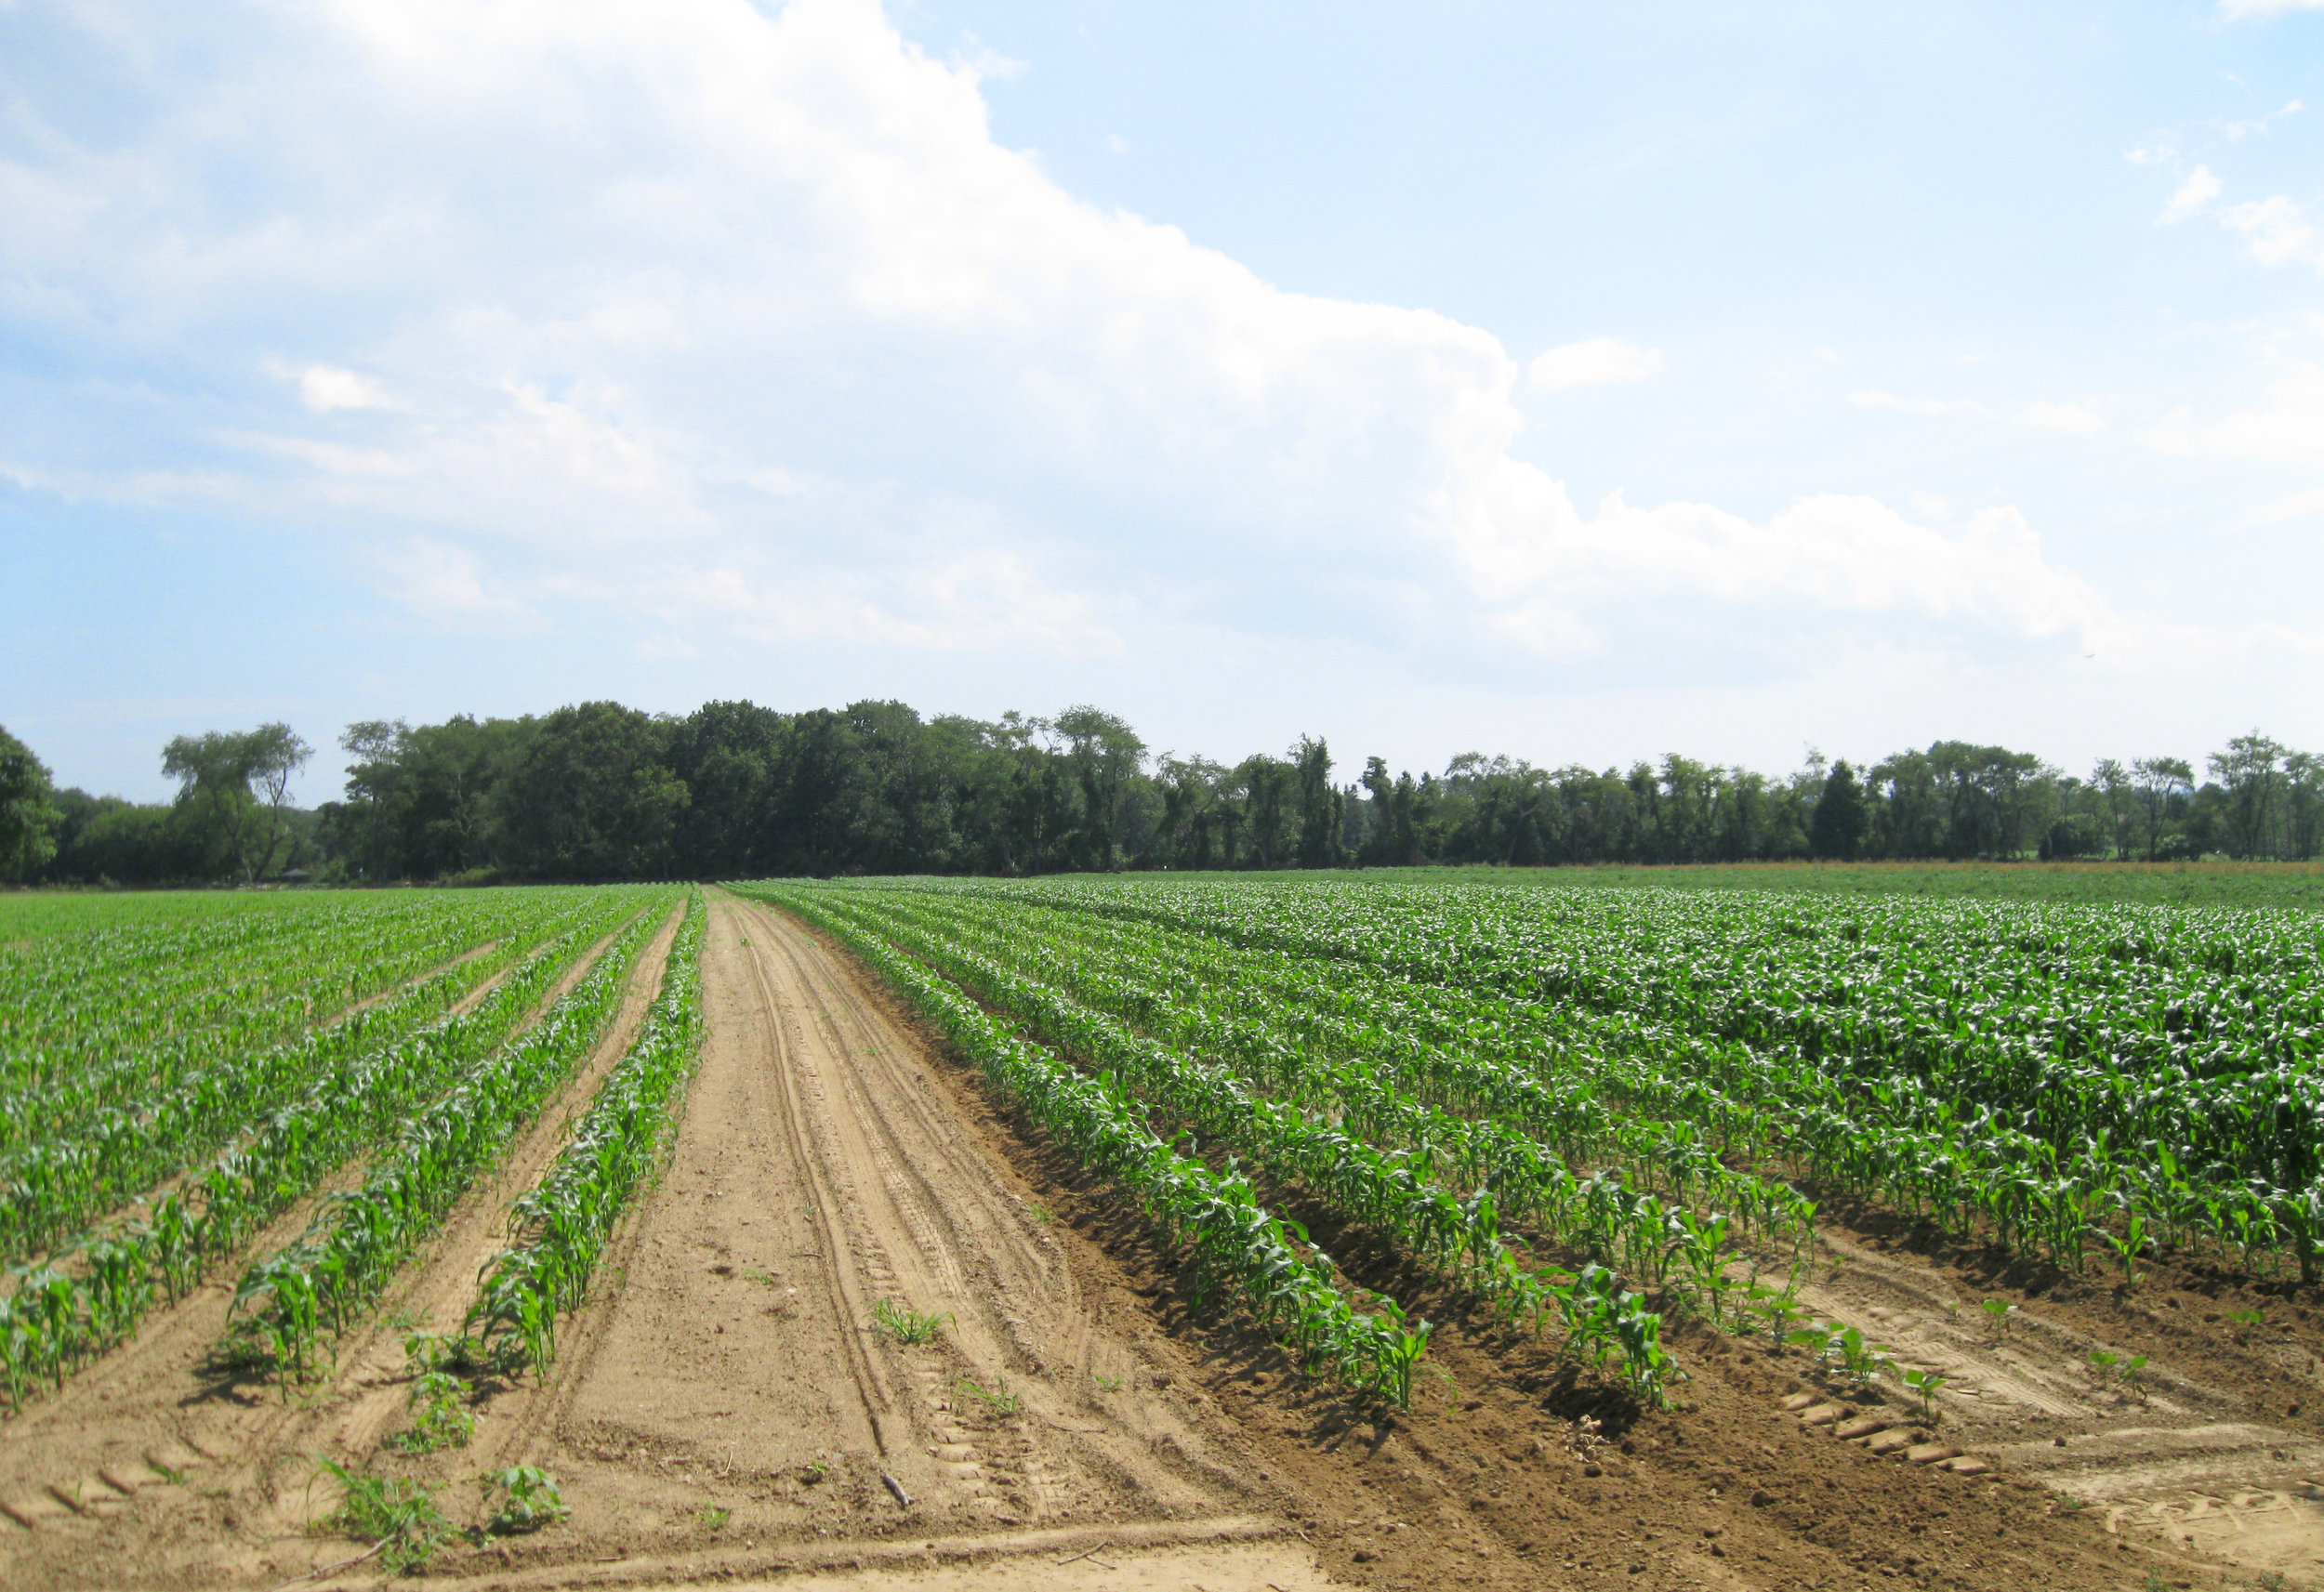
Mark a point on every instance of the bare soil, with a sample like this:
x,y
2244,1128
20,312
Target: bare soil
x,y
725,1409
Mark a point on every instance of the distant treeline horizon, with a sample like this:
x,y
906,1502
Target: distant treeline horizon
x,y
599,791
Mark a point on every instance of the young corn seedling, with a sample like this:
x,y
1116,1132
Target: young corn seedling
x,y
901,1323
2127,1248
1002,1401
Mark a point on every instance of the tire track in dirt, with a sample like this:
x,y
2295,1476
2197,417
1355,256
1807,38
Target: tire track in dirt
x,y
72,1466
2168,1461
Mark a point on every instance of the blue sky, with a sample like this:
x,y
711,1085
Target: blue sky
x,y
1582,383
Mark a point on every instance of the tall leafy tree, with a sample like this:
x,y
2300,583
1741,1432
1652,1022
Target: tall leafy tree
x,y
29,817
234,786
1840,823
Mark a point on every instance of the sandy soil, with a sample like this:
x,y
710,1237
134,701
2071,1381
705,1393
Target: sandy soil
x,y
725,1411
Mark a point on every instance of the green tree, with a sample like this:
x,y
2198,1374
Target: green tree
x,y
1836,831
2247,771
1106,754
28,818
374,780
1318,804
234,786
2163,785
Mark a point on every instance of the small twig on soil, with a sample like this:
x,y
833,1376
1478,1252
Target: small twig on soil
x,y
324,1570
1088,1553
897,1488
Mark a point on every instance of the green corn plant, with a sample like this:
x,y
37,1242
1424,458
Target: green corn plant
x,y
1001,1399
901,1323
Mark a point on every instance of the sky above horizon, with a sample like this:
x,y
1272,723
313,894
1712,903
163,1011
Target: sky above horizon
x,y
1578,383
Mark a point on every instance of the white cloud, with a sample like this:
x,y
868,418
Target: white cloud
x,y
2278,231
1588,363
2199,190
2288,428
2260,10
743,326
2074,420
323,388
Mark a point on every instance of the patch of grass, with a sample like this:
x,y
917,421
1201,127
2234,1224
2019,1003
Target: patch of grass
x,y
903,1324
1039,1212
395,1510
714,1518
1107,1384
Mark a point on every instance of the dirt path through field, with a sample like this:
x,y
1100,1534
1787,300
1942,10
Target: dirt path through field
x,y
727,1407
150,1468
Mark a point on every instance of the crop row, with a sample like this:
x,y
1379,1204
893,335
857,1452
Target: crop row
x,y
1296,1034
72,1177
1442,1186
84,1014
112,1065
83,1301
560,1224
1852,1034
1286,1283
288,1303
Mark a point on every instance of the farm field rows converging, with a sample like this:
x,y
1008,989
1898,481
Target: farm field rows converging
x,y
1298,1230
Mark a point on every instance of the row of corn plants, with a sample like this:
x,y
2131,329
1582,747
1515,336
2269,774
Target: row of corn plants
x,y
72,1177
1294,1035
1441,1186
2060,1079
92,1294
97,1032
1286,1283
291,1306
559,1227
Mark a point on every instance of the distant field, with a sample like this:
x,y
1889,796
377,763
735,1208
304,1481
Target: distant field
x,y
2295,885
24,913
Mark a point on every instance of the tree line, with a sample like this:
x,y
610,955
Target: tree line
x,y
601,791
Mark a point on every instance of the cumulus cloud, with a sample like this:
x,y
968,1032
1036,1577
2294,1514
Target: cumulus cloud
x,y
742,324
1588,363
